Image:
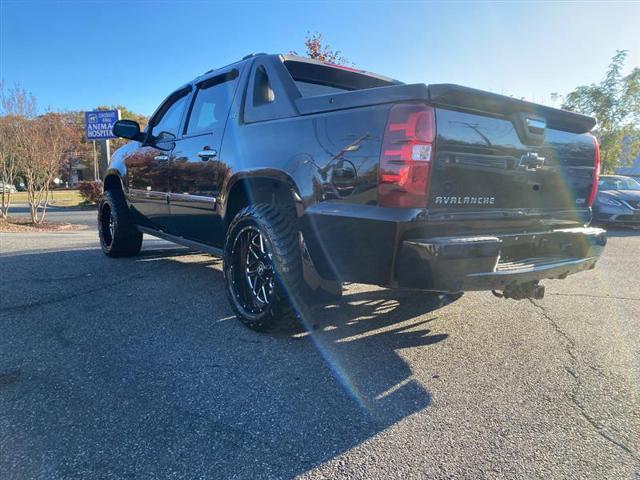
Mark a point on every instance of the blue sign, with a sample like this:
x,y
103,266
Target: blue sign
x,y
99,123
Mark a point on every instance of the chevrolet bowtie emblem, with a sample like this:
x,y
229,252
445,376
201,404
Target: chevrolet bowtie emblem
x,y
531,161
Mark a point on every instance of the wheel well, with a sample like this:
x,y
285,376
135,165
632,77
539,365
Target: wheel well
x,y
112,182
257,190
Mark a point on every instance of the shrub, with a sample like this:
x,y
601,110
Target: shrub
x,y
91,191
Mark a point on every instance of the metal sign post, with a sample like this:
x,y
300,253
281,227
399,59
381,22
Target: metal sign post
x,y
105,155
95,163
107,148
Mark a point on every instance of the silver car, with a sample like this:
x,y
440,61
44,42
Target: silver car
x,y
8,188
617,201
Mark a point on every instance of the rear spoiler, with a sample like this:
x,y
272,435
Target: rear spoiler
x,y
465,98
448,96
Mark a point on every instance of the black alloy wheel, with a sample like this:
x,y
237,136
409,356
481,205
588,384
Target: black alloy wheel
x,y
106,224
263,268
119,237
254,276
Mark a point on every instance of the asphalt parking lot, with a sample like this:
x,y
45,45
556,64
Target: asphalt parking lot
x,y
136,368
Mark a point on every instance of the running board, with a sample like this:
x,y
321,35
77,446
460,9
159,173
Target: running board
x,y
201,247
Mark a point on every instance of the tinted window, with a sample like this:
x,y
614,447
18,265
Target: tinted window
x,y
308,89
210,106
311,77
169,121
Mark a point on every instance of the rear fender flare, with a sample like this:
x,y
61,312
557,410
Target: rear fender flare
x,y
113,175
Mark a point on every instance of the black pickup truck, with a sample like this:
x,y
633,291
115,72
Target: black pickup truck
x,y
303,175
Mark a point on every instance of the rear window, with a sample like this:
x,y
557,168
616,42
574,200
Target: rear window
x,y
313,79
309,89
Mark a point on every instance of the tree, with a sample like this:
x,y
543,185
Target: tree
x,y
615,102
17,106
9,161
49,139
79,150
323,52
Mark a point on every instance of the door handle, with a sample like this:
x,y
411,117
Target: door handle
x,y
161,157
207,154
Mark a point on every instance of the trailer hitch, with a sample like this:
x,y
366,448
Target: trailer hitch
x,y
521,291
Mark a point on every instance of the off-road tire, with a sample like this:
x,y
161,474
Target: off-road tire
x,y
123,239
287,307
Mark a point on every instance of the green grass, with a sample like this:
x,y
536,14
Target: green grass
x,y
59,198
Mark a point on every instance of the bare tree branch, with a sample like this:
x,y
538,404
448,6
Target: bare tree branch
x,y
17,106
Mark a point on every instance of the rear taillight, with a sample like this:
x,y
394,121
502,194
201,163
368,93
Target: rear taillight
x,y
596,171
406,156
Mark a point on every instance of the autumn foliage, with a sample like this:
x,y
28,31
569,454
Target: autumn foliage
x,y
90,191
318,50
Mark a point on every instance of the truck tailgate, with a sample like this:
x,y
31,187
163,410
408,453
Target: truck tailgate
x,y
496,153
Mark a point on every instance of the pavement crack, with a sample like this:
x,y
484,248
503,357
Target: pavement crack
x,y
49,301
570,344
590,295
63,278
572,370
597,427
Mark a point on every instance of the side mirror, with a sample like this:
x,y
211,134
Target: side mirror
x,y
128,129
164,141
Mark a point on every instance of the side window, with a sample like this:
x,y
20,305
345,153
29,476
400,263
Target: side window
x,y
169,120
210,106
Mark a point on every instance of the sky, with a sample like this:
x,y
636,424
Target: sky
x,y
76,55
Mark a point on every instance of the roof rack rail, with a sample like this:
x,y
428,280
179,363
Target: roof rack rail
x,y
243,58
253,55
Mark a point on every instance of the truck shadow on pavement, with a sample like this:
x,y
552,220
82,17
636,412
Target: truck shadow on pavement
x,y
137,367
